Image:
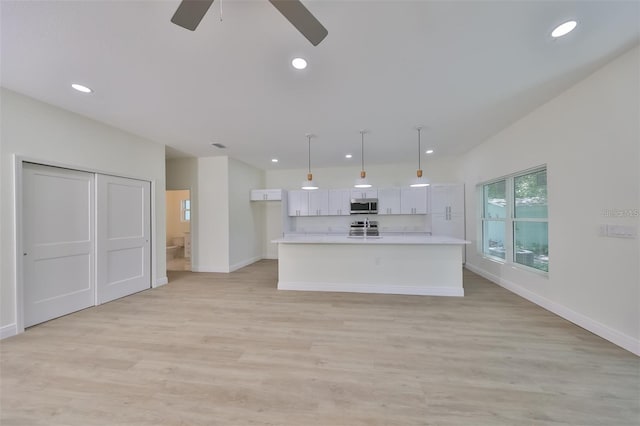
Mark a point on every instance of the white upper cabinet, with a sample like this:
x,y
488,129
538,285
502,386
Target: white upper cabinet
x,y
339,202
447,199
389,201
414,200
266,194
298,203
447,210
364,193
319,202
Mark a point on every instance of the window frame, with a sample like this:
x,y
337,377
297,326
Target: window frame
x,y
184,209
509,221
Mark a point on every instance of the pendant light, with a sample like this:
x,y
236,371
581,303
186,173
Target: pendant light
x,y
362,182
420,182
309,184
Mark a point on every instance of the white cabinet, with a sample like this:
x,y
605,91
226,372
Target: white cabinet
x,y
339,202
298,203
447,210
447,199
364,193
319,202
414,200
266,194
389,201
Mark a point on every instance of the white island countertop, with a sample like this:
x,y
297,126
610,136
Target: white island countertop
x,y
381,240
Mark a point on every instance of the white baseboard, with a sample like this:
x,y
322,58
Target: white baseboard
x,y
208,268
367,288
161,281
225,269
8,331
597,328
244,263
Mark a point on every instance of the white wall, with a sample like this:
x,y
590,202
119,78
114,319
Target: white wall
x,y
589,138
227,230
48,134
212,244
246,219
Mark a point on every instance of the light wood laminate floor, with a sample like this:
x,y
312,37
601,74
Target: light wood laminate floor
x,y
230,349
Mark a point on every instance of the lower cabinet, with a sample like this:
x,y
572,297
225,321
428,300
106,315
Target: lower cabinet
x,y
449,226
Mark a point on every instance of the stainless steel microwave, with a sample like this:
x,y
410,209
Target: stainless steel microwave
x,y
364,206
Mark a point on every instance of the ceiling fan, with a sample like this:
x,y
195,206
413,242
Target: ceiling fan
x,y
190,13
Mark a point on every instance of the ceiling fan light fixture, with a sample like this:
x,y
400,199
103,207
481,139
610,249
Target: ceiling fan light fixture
x,y
564,29
299,63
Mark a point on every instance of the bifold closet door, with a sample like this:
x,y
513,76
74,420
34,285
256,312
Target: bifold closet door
x,y
58,242
123,234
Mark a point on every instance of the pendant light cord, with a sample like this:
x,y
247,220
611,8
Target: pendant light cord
x,y
419,147
362,135
309,138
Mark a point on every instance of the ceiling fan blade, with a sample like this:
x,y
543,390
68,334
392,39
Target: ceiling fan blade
x,y
190,13
302,19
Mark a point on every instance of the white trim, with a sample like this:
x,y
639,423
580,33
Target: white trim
x,y
209,268
153,254
624,341
8,331
364,288
18,245
244,263
161,281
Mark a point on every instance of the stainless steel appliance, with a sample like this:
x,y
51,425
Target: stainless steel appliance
x,y
364,228
364,206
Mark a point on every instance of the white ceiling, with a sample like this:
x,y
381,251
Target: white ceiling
x,y
463,69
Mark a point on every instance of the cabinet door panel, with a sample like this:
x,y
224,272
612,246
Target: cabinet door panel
x,y
413,201
389,201
319,202
298,203
339,202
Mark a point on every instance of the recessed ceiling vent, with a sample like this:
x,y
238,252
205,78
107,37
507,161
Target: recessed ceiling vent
x,y
219,145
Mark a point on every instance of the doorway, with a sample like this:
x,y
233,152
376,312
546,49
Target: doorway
x,y
178,230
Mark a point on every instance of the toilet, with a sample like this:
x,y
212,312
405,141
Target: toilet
x,y
176,248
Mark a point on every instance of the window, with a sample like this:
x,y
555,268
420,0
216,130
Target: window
x,y
530,220
185,210
494,219
514,219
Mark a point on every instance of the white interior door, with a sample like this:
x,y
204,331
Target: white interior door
x,y
58,242
123,234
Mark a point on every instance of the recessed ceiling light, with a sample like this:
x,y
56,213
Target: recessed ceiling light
x,y
81,88
348,156
563,29
299,63
274,160
429,151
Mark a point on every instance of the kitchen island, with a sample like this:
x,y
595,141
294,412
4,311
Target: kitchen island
x,y
394,264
